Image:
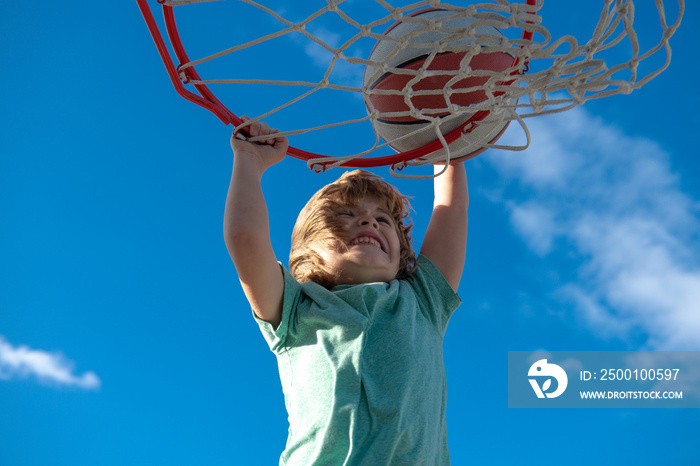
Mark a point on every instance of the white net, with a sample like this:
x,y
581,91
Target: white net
x,y
540,75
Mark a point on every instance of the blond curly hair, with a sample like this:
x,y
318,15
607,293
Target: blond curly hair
x,y
317,226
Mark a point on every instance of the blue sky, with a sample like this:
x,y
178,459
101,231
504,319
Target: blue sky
x,y
125,337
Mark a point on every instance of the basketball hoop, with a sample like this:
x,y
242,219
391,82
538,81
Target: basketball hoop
x,y
476,101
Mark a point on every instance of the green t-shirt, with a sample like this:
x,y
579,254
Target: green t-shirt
x,y
362,370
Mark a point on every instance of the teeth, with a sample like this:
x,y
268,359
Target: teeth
x,y
365,240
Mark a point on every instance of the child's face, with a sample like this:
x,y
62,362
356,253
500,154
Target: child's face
x,y
373,250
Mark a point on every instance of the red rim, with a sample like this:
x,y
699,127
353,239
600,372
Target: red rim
x,y
208,100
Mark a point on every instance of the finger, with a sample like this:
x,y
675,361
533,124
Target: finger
x,y
261,129
246,119
254,129
273,141
240,133
264,130
281,141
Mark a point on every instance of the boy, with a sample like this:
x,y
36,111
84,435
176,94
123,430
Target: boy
x,y
357,325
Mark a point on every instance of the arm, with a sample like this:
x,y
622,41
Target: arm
x,y
246,225
445,242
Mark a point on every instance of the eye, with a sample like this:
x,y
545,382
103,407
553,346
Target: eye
x,y
345,213
384,219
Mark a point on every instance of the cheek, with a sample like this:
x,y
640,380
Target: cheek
x,y
393,237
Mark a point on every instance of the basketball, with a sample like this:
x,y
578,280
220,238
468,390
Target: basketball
x,y
408,46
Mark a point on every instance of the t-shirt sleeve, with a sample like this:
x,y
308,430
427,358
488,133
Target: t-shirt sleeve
x,y
278,338
437,298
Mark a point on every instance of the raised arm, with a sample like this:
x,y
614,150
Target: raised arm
x,y
246,224
445,242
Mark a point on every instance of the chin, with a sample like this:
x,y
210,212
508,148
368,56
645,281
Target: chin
x,y
370,276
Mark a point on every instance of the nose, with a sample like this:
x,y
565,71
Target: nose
x,y
368,220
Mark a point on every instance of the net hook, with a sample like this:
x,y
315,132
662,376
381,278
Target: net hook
x,y
398,166
184,77
318,170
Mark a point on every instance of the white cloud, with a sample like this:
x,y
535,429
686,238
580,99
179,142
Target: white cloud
x,y
23,361
536,224
320,56
344,73
612,203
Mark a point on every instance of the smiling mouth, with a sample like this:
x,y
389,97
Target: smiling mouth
x,y
366,240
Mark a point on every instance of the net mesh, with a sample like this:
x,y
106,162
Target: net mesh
x,y
547,74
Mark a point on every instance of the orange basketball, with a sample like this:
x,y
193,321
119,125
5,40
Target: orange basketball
x,y
395,118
